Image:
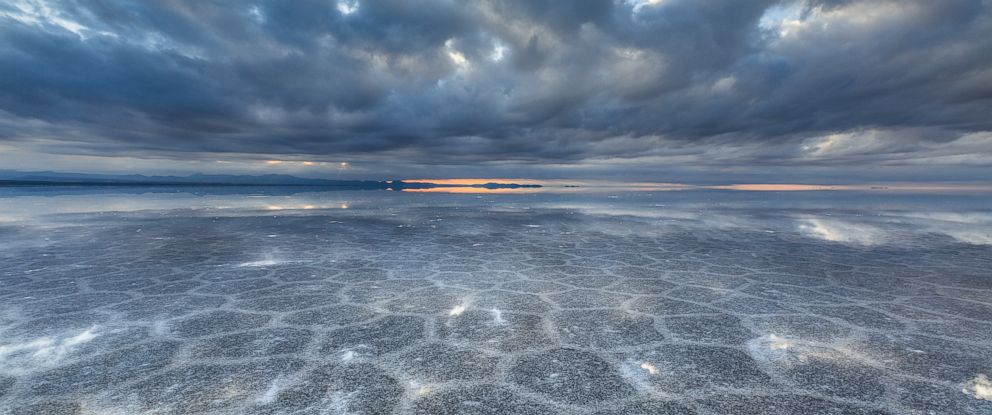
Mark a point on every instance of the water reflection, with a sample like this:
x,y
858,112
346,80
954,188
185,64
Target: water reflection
x,y
839,216
476,190
586,186
650,368
980,387
43,351
257,299
835,230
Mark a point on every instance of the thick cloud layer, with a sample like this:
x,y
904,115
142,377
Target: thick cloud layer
x,y
757,82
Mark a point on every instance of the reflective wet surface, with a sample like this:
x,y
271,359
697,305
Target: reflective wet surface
x,y
670,302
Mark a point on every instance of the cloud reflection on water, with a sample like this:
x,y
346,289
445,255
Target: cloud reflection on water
x,y
852,218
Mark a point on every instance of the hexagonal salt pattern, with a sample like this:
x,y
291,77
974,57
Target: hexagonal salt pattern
x,y
484,309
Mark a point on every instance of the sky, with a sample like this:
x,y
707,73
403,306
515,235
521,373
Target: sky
x,y
801,91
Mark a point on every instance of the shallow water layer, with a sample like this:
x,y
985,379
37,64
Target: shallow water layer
x,y
287,301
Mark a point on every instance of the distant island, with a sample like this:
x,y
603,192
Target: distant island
x,y
47,178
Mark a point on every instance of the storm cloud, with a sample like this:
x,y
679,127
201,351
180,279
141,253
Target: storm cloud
x,y
442,82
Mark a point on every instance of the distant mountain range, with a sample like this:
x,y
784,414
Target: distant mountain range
x,y
17,178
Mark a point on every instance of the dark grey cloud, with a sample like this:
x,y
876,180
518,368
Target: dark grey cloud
x,y
762,82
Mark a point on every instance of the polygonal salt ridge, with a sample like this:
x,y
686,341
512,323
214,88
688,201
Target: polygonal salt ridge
x,y
570,375
37,284
166,306
664,306
698,295
172,287
431,300
728,270
781,404
125,285
116,367
228,274
679,369
647,403
477,280
286,303
640,286
527,286
890,286
509,301
709,278
481,398
594,263
583,281
353,387
214,322
393,263
411,274
743,304
918,396
205,387
362,274
252,344
973,294
48,345
6,384
604,328
331,316
493,329
858,368
718,329
786,278
858,316
585,298
804,327
292,288
298,273
376,291
837,369
455,267
439,362
235,287
928,357
73,303
377,337
629,258
958,308
8,280
791,294
627,271
971,332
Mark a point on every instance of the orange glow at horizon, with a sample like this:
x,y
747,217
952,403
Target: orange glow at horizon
x,y
578,186
467,189
470,182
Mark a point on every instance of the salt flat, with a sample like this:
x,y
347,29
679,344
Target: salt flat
x,y
694,302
